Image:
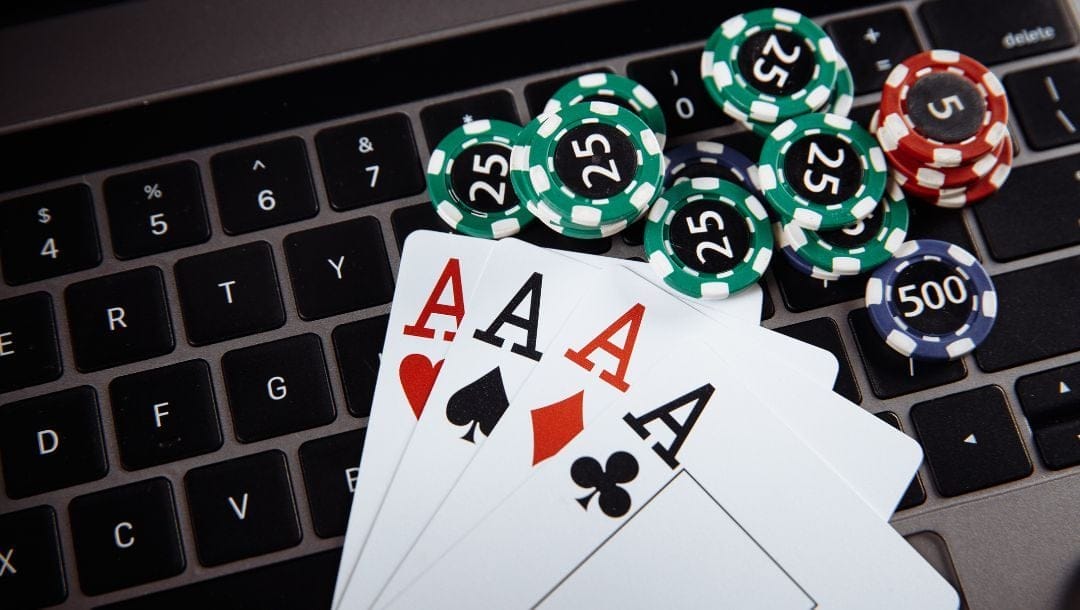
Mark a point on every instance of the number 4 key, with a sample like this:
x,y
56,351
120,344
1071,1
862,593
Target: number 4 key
x,y
48,234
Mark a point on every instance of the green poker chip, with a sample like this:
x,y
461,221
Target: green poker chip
x,y
588,165
578,232
708,238
769,65
822,171
843,95
619,90
858,248
468,180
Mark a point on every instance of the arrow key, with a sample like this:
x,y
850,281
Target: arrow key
x,y
1059,444
970,440
1050,396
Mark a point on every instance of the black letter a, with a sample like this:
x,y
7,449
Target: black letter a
x,y
700,397
531,288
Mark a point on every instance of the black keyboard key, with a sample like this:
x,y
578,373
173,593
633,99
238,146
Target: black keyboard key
x,y
242,508
801,292
970,440
441,119
29,352
538,234
824,333
873,44
420,217
48,234
1059,444
278,387
31,565
330,467
1046,192
746,142
370,162
916,493
165,414
52,441
156,209
305,582
358,347
229,293
264,185
891,374
119,318
1036,315
1010,31
1046,99
768,310
932,222
126,536
537,94
675,80
339,268
1050,395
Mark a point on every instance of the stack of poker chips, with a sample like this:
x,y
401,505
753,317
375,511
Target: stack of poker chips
x,y
592,163
943,125
770,65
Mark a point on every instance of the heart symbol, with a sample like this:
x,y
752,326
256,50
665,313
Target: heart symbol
x,y
417,375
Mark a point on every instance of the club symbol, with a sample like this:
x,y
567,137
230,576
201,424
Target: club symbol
x,y
153,191
621,467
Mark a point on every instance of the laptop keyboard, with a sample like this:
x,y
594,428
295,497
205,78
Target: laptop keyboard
x,y
188,347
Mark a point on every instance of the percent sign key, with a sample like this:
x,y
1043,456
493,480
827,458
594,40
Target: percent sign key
x,y
144,220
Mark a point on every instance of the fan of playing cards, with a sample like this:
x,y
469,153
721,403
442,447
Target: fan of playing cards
x,y
559,430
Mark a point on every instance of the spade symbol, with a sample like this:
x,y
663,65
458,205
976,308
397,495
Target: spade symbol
x,y
621,467
479,404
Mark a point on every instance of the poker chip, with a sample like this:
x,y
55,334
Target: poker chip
x,y
858,248
708,238
934,301
961,196
710,159
822,171
618,90
579,233
792,256
467,178
843,95
943,107
587,166
769,65
916,171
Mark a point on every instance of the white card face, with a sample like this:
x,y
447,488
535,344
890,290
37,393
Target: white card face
x,y
839,431
437,272
562,395
525,295
716,565
694,425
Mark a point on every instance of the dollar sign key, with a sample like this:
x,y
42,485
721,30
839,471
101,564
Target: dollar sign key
x,y
44,216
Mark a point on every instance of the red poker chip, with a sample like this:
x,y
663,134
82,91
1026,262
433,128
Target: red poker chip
x,y
962,196
899,131
912,170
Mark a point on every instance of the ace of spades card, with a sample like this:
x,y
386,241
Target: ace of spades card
x,y
685,492
525,295
436,274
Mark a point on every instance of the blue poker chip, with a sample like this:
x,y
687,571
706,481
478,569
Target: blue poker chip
x,y
793,258
933,301
710,160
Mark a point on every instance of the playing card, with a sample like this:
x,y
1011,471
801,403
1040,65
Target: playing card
x,y
437,272
746,494
617,330
525,295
